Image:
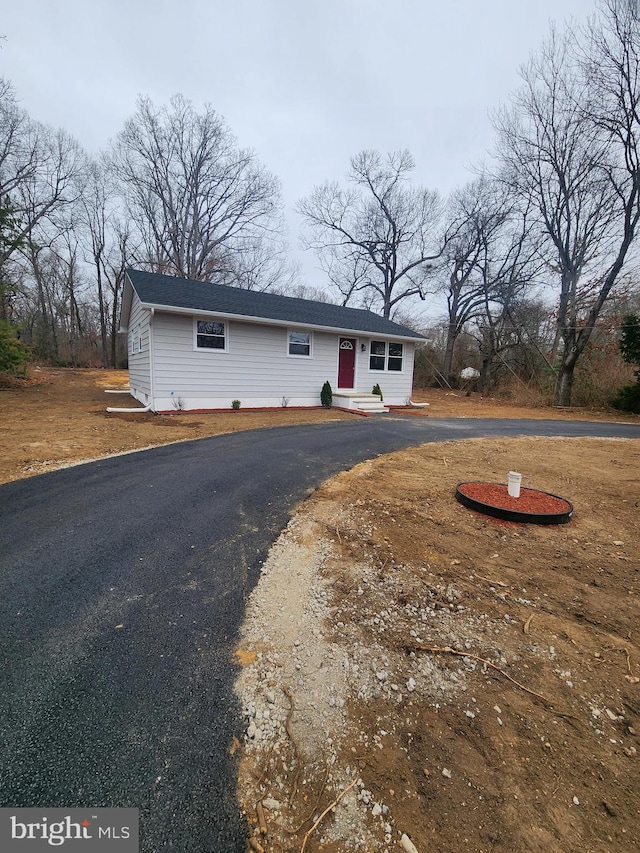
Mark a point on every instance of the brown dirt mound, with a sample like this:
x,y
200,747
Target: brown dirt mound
x,y
480,683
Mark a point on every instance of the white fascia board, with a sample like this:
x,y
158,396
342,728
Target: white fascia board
x,y
266,321
125,305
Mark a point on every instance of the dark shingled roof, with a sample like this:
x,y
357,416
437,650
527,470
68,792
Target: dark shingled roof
x,y
170,292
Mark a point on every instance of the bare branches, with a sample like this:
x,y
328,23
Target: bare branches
x,y
569,145
488,261
41,172
198,200
331,806
376,238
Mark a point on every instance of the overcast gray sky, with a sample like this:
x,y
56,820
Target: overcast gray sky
x,y
305,83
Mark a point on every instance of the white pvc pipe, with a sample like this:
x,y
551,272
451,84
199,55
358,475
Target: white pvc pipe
x,y
513,484
134,411
418,405
117,391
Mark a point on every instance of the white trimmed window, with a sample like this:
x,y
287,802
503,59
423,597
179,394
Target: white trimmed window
x,y
299,343
394,361
377,355
210,334
385,356
136,340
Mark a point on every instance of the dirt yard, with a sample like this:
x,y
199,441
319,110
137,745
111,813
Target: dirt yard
x,y
467,683
59,417
476,681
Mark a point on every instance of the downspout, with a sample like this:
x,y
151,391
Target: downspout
x,y
134,411
122,391
151,359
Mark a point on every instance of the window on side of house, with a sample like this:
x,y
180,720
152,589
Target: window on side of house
x,y
136,340
139,338
377,355
395,357
210,334
299,343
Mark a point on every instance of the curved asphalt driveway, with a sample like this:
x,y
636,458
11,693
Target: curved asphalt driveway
x,y
122,588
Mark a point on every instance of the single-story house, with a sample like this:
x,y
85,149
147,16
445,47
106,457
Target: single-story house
x,y
196,345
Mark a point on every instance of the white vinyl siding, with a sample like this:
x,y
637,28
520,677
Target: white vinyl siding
x,y
256,367
139,362
395,384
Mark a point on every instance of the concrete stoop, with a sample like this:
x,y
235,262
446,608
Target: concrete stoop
x,y
370,403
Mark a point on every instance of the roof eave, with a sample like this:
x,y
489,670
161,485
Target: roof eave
x,y
125,305
267,321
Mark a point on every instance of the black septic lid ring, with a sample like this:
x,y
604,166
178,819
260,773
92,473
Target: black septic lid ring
x,y
532,507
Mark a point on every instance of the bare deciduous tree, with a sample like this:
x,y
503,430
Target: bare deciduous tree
x,y
377,239
489,259
569,146
41,171
108,250
196,198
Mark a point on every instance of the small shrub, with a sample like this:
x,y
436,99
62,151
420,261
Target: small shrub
x,y
630,339
13,354
377,390
326,395
628,399
235,405
178,404
284,401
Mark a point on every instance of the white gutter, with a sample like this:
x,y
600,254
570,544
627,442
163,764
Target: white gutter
x,y
121,391
268,321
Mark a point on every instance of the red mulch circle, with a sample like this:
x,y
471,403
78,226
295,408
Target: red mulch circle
x,y
532,505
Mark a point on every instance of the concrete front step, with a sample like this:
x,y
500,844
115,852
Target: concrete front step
x,y
368,406
370,403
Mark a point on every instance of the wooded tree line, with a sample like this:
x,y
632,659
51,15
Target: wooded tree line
x,y
534,258
175,193
550,220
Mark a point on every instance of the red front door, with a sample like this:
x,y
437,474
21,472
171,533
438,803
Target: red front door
x,y
346,363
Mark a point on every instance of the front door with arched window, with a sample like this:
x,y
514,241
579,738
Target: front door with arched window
x,y
347,363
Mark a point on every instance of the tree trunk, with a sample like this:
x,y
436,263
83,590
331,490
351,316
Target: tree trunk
x,y
46,338
103,315
488,352
116,290
447,364
487,373
4,298
574,344
114,340
564,384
